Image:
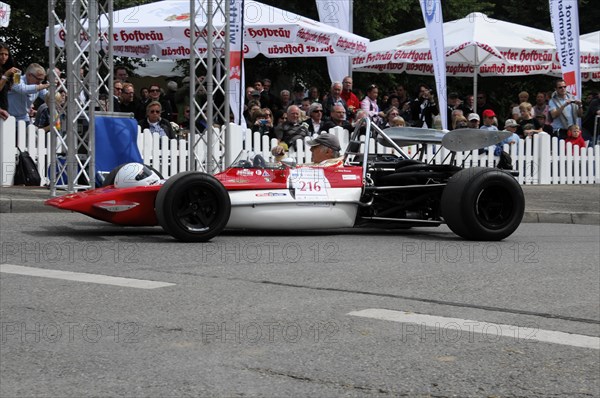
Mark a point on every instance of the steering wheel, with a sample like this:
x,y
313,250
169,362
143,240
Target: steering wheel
x,y
259,162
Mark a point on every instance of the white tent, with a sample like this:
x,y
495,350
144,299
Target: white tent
x,y
592,40
475,45
162,68
162,29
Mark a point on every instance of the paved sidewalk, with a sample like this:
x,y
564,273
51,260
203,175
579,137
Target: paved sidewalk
x,y
570,204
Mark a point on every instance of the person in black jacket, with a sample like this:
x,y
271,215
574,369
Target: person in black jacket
x,y
155,94
338,118
262,121
592,112
423,108
7,70
154,122
315,121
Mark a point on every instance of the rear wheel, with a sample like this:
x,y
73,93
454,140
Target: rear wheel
x,y
193,206
483,204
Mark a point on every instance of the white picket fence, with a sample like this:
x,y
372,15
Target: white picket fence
x,y
539,160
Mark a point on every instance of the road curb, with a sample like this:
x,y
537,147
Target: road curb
x,y
555,217
9,205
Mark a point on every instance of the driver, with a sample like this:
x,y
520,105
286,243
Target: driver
x,y
325,149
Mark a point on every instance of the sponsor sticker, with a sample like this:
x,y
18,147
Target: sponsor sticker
x,y
270,194
245,172
309,184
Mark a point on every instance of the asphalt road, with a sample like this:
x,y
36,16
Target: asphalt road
x,y
393,313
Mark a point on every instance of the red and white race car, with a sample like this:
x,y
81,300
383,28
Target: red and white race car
x,y
375,190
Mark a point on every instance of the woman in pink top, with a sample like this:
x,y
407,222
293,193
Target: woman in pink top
x,y
369,103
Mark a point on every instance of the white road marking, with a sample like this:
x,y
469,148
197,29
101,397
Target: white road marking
x,y
429,326
82,277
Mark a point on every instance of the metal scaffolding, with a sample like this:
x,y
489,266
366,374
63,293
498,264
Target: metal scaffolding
x,y
215,62
88,56
73,130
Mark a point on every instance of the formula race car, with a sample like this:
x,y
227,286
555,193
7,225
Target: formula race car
x,y
365,190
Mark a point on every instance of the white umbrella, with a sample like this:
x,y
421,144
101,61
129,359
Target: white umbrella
x,y
161,29
591,41
475,45
475,40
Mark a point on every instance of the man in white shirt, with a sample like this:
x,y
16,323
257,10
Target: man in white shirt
x,y
564,109
22,95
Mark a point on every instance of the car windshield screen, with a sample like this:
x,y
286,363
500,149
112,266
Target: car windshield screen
x,y
247,160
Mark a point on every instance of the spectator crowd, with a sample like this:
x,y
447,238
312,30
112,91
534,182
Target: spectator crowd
x,y
298,112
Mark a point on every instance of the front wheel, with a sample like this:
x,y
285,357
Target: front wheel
x,y
193,206
483,204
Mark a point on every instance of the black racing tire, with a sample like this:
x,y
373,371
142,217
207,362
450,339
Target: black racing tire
x,y
483,204
193,206
110,178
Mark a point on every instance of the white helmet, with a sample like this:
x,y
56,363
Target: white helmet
x,y
135,175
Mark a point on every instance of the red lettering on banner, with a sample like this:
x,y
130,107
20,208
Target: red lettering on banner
x,y
138,35
525,69
181,51
358,60
378,57
83,36
590,59
483,46
535,56
395,66
137,50
265,32
319,38
460,68
412,55
489,49
328,49
286,49
424,68
203,33
510,54
350,45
